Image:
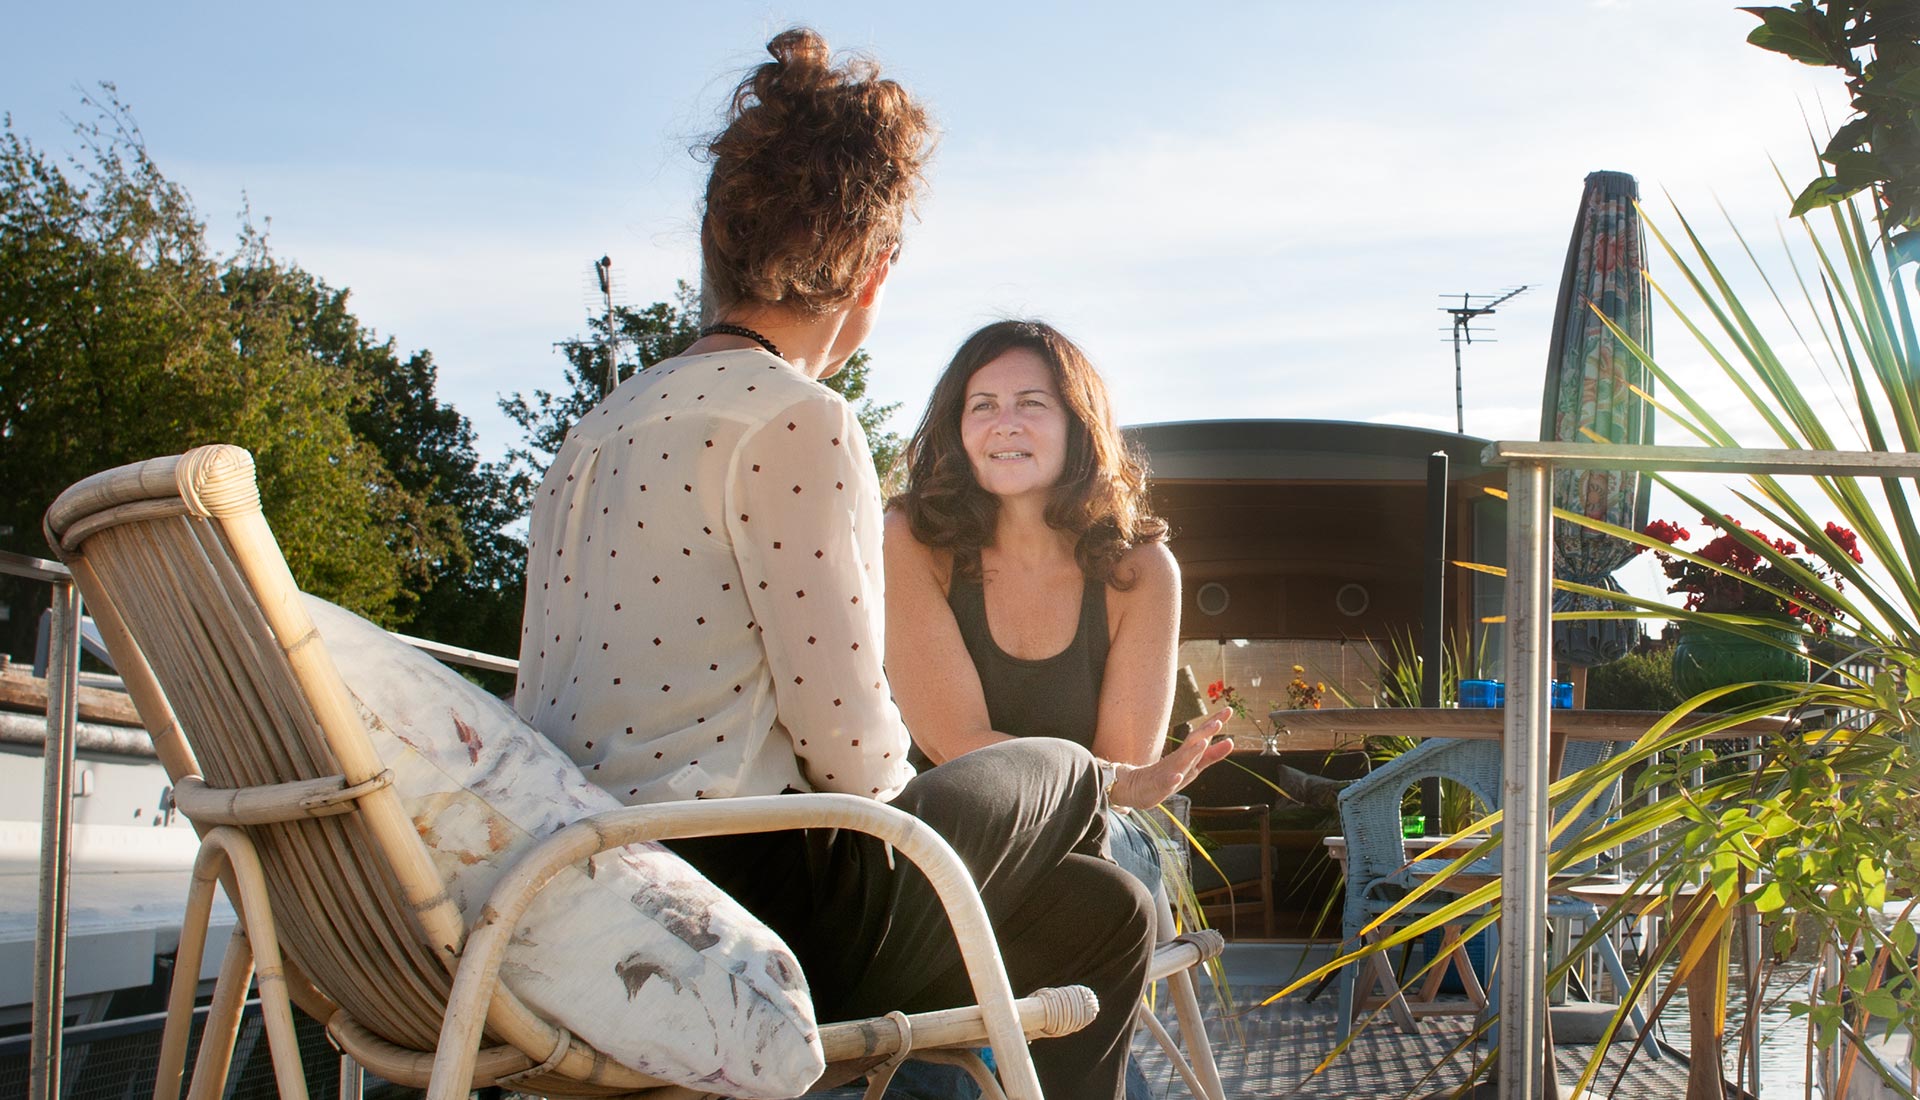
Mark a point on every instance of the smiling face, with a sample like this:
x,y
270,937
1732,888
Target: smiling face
x,y
1013,425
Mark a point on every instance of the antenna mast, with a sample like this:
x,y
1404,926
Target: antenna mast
x,y
603,270
1463,315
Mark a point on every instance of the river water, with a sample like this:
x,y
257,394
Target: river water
x,y
1783,1039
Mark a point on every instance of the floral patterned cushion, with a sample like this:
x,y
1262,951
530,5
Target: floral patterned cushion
x,y
637,954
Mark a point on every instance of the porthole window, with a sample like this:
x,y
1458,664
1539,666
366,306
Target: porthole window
x,y
1352,599
1212,598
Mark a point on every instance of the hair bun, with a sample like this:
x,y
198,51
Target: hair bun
x,y
800,50
812,177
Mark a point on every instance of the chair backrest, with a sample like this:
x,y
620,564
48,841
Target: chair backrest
x,y
178,566
1370,806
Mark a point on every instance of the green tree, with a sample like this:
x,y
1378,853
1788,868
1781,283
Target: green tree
x,y
659,331
123,336
1876,44
451,513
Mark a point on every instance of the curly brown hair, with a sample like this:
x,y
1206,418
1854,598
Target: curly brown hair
x,y
812,177
1101,497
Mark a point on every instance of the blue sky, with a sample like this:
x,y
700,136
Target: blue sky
x,y
1240,209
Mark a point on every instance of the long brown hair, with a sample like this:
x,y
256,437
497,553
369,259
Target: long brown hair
x,y
1101,497
812,177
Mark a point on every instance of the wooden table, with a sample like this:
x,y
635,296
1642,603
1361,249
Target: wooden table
x,y
1487,724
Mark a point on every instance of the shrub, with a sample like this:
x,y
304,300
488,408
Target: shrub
x,y
1638,681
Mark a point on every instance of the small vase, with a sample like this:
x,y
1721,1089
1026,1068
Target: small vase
x,y
1708,657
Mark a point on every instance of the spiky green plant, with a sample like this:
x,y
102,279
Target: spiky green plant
x,y
1824,822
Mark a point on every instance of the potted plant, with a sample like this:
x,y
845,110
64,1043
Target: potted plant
x,y
1744,577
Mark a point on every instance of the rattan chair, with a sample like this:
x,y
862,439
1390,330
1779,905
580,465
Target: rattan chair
x,y
341,911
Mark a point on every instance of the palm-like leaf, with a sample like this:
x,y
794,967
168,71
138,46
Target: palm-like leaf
x,y
1826,823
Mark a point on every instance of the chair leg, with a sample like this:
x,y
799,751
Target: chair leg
x,y
353,1079
1197,1065
1186,1008
186,976
1617,970
1344,981
256,915
1144,1017
1375,970
217,1036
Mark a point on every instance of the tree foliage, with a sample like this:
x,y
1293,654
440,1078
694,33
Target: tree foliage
x,y
124,336
1876,44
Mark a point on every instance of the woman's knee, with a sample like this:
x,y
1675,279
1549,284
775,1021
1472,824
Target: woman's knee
x,y
1030,778
1108,905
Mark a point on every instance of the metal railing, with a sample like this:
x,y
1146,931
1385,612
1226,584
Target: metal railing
x,y
1523,1062
56,822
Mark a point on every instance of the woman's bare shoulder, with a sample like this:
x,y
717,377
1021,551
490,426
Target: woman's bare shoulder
x,y
908,557
1147,568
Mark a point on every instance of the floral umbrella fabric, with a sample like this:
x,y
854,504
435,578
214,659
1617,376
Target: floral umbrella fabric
x,y
1590,373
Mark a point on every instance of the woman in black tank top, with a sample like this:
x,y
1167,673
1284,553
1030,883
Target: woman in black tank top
x,y
1030,592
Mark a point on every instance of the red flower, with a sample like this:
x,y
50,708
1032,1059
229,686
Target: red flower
x,y
1845,540
1215,690
1751,579
1668,533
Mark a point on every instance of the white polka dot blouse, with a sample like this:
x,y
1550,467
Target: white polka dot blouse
x,y
705,606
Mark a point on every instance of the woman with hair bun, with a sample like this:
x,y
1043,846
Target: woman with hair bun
x,y
705,606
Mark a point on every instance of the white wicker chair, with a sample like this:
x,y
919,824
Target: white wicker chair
x,y
341,911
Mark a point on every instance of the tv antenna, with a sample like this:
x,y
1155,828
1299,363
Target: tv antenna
x,y
599,294
603,273
1463,316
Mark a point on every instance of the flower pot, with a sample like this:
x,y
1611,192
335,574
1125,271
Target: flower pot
x,y
1708,657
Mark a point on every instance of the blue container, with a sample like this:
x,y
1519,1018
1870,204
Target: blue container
x,y
1562,695
1480,693
1477,957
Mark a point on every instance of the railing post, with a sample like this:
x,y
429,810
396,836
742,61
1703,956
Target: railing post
x,y
56,845
1525,1060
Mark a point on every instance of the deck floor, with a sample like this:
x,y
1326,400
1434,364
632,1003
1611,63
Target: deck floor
x,y
1279,1045
1272,1050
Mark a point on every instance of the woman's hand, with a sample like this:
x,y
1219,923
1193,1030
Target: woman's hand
x,y
1144,787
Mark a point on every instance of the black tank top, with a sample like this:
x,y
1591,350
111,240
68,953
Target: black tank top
x,y
1057,696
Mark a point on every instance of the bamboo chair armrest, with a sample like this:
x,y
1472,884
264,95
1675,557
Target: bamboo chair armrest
x,y
1185,951
274,802
487,942
1046,1013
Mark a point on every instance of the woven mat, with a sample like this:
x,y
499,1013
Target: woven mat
x,y
1272,1051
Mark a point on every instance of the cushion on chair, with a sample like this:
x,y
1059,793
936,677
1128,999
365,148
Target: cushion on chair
x,y
637,954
